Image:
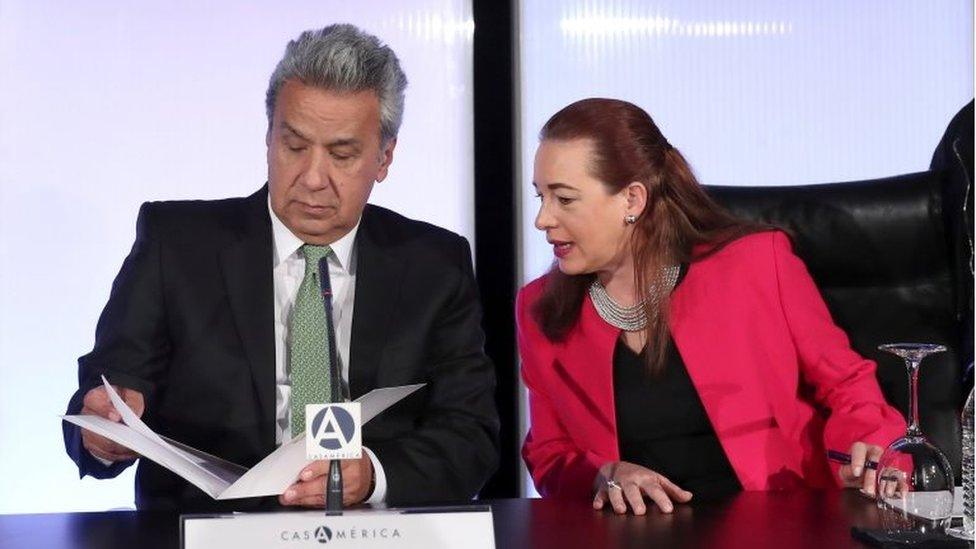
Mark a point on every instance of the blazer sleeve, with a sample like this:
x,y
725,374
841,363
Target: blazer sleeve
x,y
843,382
453,448
559,467
131,341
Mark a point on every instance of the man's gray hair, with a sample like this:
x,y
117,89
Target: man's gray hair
x,y
346,59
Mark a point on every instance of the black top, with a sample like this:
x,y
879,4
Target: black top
x,y
662,425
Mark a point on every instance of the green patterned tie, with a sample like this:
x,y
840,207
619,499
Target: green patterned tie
x,y
309,358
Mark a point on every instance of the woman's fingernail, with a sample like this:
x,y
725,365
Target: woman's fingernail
x,y
306,474
290,495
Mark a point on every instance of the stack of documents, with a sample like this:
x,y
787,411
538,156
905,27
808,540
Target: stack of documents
x,y
219,478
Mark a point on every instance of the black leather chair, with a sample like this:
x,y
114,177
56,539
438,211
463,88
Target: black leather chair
x,y
885,253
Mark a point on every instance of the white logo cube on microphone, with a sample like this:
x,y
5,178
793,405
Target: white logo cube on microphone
x,y
333,431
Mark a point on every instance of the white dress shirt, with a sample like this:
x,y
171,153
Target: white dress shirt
x,y
289,270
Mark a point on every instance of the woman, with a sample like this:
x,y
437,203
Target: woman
x,y
674,350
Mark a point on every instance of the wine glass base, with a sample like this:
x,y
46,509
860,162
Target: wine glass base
x,y
958,532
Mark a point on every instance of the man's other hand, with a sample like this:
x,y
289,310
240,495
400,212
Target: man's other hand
x,y
97,403
309,491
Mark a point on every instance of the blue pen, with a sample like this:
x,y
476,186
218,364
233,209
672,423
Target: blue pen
x,y
841,457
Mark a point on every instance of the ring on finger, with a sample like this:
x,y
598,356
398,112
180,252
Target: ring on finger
x,y
613,484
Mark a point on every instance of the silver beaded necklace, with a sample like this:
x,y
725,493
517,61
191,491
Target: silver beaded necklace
x,y
633,318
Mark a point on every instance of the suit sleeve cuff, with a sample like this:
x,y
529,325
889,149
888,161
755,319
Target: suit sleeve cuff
x,y
379,491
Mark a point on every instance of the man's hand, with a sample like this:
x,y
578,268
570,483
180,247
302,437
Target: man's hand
x,y
97,403
857,474
309,491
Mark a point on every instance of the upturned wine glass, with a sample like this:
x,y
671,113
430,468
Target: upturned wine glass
x,y
914,484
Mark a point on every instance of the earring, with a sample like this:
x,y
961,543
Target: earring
x,y
630,219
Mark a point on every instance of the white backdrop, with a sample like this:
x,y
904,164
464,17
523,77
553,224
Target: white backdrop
x,y
753,92
106,104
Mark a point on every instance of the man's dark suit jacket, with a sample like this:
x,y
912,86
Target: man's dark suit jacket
x,y
189,323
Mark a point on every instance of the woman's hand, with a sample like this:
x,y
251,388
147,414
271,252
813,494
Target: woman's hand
x,y
856,474
625,485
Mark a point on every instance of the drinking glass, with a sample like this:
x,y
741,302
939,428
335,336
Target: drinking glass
x,y
914,485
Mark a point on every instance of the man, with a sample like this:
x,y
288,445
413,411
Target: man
x,y
214,331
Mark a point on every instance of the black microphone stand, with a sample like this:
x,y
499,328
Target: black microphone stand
x,y
333,483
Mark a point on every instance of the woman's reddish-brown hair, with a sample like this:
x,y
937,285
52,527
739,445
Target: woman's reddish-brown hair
x,y
679,217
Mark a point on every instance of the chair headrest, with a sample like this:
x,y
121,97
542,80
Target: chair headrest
x,y
883,231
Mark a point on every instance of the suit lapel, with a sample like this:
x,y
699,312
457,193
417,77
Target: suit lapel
x,y
379,273
710,335
247,266
587,374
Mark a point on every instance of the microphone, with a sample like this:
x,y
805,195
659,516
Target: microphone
x,y
333,484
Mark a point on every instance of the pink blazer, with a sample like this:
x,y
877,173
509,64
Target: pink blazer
x,y
776,376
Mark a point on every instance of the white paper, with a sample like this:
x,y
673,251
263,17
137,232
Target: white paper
x,y
232,470
218,478
210,476
273,474
163,455
377,400
129,417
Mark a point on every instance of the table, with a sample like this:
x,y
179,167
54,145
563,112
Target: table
x,y
780,520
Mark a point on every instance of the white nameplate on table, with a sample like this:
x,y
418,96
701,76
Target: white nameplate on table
x,y
468,527
222,479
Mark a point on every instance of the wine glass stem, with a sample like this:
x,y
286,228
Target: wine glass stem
x,y
913,429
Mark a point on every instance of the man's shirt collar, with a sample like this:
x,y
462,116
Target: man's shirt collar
x,y
286,243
